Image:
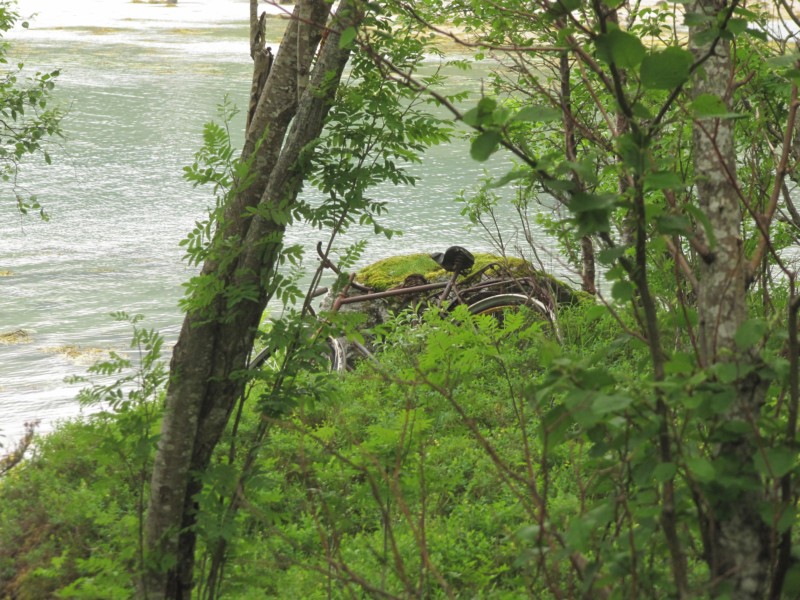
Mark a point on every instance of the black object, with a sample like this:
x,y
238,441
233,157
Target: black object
x,y
454,259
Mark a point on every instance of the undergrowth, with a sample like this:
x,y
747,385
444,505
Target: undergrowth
x,y
412,479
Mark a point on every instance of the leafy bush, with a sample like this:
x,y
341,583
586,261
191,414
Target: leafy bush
x,y
72,513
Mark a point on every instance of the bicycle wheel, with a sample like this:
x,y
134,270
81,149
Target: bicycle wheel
x,y
336,356
497,304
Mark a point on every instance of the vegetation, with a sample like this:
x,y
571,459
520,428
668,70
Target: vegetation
x,y
651,454
26,119
347,485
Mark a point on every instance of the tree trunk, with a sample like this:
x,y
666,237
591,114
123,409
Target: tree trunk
x,y
215,340
737,538
571,152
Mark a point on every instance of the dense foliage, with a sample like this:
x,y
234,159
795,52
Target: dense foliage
x,y
411,479
652,453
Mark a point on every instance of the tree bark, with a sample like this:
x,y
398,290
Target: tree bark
x,y
738,539
215,341
571,152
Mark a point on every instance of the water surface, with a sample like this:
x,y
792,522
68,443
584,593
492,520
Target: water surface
x,y
139,80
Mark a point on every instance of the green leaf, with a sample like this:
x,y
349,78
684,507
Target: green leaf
x,y
608,256
666,70
708,106
750,333
622,291
663,180
776,461
707,36
620,48
560,185
604,404
726,372
592,221
681,363
792,74
487,105
482,114
555,425
693,19
780,517
641,111
582,202
701,469
596,312
563,7
720,404
485,145
580,529
736,26
347,37
791,587
512,175
784,60
672,224
664,471
631,153
585,169
538,114
757,33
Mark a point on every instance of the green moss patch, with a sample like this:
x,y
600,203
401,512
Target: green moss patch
x,y
391,272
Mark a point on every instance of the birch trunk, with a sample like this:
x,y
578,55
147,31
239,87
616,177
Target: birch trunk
x,y
737,541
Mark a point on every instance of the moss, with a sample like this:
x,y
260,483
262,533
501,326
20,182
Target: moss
x,y
391,272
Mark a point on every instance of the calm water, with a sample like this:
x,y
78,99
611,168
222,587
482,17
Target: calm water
x,y
139,81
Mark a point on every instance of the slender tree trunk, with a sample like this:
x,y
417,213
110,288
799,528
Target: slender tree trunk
x,y
738,539
571,151
215,341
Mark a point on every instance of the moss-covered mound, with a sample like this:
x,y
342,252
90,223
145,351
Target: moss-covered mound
x,y
392,272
